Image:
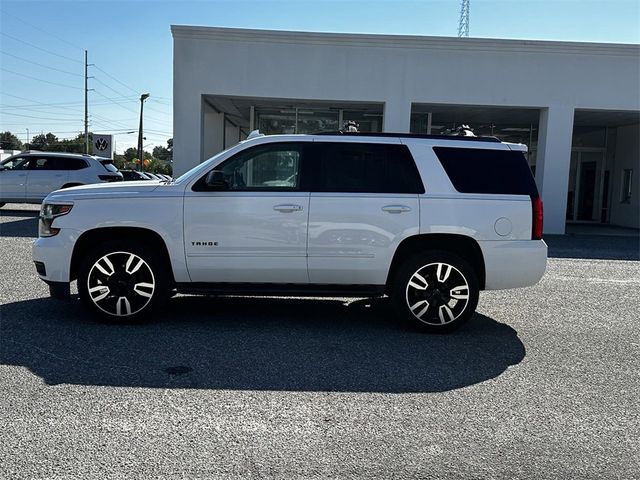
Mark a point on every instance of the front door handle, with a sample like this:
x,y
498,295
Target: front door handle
x,y
396,208
286,208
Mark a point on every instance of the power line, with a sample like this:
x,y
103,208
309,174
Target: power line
x,y
4,12
40,48
114,102
18,134
40,64
31,116
29,109
39,79
160,112
116,80
35,103
41,111
112,89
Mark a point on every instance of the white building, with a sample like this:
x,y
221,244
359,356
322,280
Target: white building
x,y
576,105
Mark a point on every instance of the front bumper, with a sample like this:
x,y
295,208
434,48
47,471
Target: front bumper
x,y
54,255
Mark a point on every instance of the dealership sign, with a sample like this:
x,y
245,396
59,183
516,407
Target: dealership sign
x,y
103,145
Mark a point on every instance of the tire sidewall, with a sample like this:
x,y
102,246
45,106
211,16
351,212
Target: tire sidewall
x,y
149,255
415,263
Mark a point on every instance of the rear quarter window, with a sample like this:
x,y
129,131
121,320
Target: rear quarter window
x,y
72,164
108,165
479,170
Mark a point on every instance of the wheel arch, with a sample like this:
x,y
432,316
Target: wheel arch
x,y
93,237
461,245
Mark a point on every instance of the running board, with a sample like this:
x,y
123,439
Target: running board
x,y
277,289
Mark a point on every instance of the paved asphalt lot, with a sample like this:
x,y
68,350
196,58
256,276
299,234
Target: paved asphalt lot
x,y
543,383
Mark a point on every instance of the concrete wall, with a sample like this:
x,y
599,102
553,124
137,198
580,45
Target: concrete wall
x,y
627,156
212,142
556,77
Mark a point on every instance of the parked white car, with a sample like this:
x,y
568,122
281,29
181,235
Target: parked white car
x,y
30,176
429,221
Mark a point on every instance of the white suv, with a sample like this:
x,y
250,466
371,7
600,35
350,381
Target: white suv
x,y
429,221
30,176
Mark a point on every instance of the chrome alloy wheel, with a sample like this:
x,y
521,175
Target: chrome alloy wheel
x,y
437,294
121,284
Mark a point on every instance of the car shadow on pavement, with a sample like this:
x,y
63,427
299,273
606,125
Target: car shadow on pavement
x,y
254,344
25,226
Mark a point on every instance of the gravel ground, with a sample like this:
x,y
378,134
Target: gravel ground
x,y
542,383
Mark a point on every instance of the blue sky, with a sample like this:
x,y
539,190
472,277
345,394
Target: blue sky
x,y
130,44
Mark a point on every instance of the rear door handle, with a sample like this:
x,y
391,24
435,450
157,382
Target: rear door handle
x,y
286,208
396,208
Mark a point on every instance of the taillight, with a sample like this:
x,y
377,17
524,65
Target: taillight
x,y
538,217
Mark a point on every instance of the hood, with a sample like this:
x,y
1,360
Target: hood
x,y
106,190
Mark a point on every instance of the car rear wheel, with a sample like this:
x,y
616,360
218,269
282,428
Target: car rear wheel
x,y
436,291
123,281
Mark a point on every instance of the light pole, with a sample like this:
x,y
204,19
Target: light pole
x,y
143,97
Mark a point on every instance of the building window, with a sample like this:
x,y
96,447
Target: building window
x,y
627,175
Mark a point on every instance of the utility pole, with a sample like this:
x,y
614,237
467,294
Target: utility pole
x,y
143,97
463,24
86,105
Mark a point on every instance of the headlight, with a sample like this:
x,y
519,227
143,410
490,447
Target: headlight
x,y
48,212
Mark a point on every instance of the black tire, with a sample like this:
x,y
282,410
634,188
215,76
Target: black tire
x,y
424,291
128,270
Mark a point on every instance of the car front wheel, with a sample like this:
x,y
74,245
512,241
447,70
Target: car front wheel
x,y
123,281
436,291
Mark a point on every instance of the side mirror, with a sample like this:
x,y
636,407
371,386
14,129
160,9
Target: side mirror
x,y
215,181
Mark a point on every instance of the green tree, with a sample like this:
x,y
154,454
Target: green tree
x,y
161,153
130,154
9,141
44,142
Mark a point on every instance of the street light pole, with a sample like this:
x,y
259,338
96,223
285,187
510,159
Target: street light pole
x,y
143,97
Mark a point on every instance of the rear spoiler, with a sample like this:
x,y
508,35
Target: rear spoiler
x,y
517,147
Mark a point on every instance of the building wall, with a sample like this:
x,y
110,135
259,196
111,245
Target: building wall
x,y
627,155
556,77
7,153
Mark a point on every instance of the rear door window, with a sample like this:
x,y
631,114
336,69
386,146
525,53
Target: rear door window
x,y
479,170
344,167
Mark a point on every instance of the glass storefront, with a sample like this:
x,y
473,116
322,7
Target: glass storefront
x,y
515,132
313,120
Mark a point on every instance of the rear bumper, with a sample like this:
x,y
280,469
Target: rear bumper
x,y
53,255
513,263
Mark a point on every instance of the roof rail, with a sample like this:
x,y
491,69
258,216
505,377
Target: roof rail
x,y
410,135
254,134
